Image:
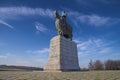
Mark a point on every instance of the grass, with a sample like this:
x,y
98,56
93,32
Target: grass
x,y
37,75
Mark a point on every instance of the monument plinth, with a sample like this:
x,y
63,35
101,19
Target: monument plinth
x,y
63,55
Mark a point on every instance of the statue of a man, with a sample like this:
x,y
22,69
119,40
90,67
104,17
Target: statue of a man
x,y
62,27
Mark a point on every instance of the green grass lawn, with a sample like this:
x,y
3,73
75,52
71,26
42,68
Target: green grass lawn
x,y
37,75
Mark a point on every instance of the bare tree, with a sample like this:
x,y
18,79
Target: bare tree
x,y
118,64
112,65
98,65
107,65
91,65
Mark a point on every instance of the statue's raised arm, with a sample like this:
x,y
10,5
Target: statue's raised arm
x,y
56,14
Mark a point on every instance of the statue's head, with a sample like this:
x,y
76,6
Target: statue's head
x,y
64,14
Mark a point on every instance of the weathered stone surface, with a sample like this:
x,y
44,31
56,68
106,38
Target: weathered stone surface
x,y
63,55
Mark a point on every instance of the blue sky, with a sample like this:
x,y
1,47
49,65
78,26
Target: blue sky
x,y
26,27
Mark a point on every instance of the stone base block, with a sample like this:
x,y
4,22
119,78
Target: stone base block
x,y
63,55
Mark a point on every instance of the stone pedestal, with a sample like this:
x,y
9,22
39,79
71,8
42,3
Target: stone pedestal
x,y
63,55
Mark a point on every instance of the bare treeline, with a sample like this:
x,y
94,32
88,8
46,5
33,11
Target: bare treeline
x,y
107,65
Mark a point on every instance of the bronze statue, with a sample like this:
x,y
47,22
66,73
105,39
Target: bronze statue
x,y
62,27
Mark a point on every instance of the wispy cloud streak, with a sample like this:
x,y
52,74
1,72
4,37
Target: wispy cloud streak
x,y
92,47
25,11
44,50
6,24
91,19
40,27
92,2
94,20
41,51
3,56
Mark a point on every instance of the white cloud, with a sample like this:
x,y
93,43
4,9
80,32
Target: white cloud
x,y
40,27
77,41
83,45
44,50
24,11
92,47
3,56
91,19
41,51
92,2
105,50
94,20
82,55
6,24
